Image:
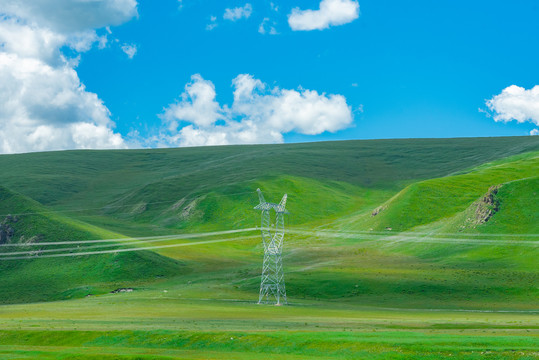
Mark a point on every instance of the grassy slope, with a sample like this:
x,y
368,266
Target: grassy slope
x,y
384,271
323,268
96,179
59,278
323,272
395,272
518,211
231,206
439,211
432,200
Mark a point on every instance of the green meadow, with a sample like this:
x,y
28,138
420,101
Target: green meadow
x,y
396,249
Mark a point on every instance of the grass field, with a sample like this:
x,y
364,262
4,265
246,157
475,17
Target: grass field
x,y
425,277
157,324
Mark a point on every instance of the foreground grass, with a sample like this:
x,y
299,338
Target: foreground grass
x,y
277,345
152,324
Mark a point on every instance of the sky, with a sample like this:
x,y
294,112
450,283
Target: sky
x,y
106,74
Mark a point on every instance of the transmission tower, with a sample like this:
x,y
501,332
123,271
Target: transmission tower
x,y
272,282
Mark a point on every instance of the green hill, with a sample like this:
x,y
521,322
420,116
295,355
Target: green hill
x,y
426,186
427,201
132,191
38,279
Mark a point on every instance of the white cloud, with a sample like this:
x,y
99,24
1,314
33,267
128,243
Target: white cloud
x,y
197,104
331,13
534,132
516,103
83,41
29,41
47,108
258,114
68,16
238,13
267,27
213,23
43,104
129,49
102,42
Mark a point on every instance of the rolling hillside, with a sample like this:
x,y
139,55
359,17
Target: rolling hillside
x,y
27,224
414,186
428,201
395,248
122,190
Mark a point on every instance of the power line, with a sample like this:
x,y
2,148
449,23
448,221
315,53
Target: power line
x,y
40,251
397,238
414,239
128,249
140,239
413,233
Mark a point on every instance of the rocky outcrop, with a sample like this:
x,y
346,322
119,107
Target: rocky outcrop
x,y
482,210
190,210
121,290
378,210
488,205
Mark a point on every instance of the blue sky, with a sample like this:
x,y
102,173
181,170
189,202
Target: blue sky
x,y
404,69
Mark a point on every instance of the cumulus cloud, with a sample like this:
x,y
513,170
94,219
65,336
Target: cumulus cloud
x,y
197,104
130,50
238,13
30,41
47,108
43,104
83,41
330,13
68,16
534,132
258,114
516,103
267,27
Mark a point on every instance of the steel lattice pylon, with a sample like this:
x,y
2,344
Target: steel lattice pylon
x,y
272,282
